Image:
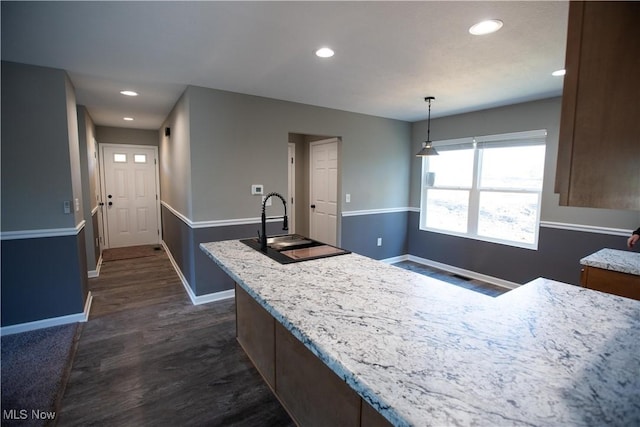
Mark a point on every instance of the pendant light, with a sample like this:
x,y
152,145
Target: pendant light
x,y
427,148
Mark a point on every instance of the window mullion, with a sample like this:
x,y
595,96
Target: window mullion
x,y
474,194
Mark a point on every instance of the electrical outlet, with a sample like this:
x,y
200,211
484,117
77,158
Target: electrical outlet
x,y
379,241
268,201
77,205
348,198
67,206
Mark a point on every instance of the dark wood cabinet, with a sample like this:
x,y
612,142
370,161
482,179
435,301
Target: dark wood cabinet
x,y
255,331
599,142
612,282
309,390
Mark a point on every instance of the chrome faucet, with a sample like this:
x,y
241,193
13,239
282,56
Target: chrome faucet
x,y
285,222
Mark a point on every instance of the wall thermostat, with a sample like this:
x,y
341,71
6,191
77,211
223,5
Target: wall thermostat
x,y
257,189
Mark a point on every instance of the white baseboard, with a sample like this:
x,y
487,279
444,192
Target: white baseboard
x,y
216,296
197,299
465,273
395,259
53,321
96,273
455,270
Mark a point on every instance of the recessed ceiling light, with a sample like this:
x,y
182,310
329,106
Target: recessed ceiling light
x,y
324,52
559,73
128,119
486,27
129,93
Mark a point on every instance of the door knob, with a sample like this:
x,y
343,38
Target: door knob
x,y
101,203
313,206
109,196
110,203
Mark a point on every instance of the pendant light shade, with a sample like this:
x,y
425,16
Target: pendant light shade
x,y
427,147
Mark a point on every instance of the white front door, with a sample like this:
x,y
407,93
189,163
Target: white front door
x,y
130,195
323,194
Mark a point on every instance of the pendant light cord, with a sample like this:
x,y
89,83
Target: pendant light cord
x,y
429,122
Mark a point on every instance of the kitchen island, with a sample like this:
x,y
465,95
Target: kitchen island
x,y
612,271
423,352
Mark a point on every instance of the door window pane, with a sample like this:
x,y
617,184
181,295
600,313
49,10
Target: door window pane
x,y
140,158
508,216
120,158
447,209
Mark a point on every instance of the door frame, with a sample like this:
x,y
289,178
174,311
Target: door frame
x,y
291,181
99,200
338,142
103,189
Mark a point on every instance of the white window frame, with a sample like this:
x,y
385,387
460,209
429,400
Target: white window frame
x,y
534,137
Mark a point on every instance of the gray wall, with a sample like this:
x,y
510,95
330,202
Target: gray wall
x,y
113,135
74,149
88,173
41,277
557,258
175,159
360,234
227,141
237,140
35,148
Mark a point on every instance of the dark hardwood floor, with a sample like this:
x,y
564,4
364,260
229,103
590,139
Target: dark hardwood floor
x,y
148,357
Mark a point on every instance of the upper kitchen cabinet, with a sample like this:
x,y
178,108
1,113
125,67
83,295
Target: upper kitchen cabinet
x,y
599,147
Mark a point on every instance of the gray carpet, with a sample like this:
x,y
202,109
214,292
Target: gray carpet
x,y
35,367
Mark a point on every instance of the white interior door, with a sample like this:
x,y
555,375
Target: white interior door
x,y
130,195
323,194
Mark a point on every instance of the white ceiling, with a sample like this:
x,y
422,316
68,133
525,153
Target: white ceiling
x,y
389,55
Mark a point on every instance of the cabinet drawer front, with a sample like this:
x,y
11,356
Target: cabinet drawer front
x,y
612,282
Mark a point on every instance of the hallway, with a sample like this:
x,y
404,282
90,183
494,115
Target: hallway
x,y
148,357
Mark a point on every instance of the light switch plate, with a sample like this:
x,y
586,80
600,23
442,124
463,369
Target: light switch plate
x,y
67,206
348,198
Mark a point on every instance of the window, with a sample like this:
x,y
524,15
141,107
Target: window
x,y
140,158
119,158
487,188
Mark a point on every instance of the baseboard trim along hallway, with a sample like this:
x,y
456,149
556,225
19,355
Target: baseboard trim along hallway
x,y
197,299
53,321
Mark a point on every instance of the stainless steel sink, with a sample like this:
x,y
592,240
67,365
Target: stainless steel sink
x,y
287,242
291,248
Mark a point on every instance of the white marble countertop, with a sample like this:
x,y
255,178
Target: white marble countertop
x,y
615,260
423,352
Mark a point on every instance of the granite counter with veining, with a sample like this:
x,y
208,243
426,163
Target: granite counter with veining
x,y
614,260
423,352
